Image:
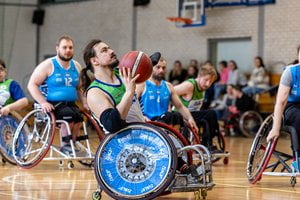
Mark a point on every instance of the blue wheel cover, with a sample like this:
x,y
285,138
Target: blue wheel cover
x,y
135,162
8,126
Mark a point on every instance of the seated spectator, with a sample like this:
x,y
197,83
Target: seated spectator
x,y
178,74
236,77
220,86
221,105
259,79
241,102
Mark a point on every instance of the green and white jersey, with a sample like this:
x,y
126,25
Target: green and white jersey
x,y
5,96
115,92
195,103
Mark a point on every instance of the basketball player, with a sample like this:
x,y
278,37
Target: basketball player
x,y
156,95
110,92
61,75
11,94
191,93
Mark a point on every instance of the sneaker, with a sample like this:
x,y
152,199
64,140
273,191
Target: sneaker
x,y
67,149
193,170
294,167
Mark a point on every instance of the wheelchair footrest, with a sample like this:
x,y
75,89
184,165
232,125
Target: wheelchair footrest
x,y
220,155
188,183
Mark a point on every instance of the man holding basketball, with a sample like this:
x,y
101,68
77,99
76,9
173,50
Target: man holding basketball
x,y
114,89
111,93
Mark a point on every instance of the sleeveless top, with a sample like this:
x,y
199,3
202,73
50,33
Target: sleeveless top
x,y
62,83
195,103
115,92
155,99
294,96
5,96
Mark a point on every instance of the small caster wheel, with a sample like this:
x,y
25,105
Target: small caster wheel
x,y
293,181
3,161
226,161
70,165
197,195
61,163
203,193
96,195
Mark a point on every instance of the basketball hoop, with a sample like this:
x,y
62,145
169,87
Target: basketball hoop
x,y
181,20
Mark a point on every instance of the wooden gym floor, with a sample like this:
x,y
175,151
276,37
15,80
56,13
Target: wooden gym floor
x,y
48,181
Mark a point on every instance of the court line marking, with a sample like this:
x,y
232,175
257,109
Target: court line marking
x,y
262,188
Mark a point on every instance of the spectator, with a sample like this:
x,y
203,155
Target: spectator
x,y
177,74
259,79
220,86
235,75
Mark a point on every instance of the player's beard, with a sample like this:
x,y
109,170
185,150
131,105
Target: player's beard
x,y
65,58
158,77
114,64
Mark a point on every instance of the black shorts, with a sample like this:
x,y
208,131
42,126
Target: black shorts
x,y
67,111
171,118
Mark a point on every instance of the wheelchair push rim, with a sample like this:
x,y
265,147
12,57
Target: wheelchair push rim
x,y
8,126
138,162
38,129
260,152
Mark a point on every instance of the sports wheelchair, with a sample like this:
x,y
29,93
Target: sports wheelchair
x,y
140,161
35,136
261,153
246,123
8,126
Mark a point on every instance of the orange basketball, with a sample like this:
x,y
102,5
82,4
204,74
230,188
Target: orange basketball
x,y
139,62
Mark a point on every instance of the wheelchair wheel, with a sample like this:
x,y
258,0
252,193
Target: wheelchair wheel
x,y
249,123
8,126
138,162
260,152
178,140
33,138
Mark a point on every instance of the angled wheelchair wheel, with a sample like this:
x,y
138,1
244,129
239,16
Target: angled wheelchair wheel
x,y
260,152
8,126
33,138
138,162
249,123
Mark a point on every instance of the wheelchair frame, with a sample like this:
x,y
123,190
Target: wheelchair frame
x,y
261,153
44,140
176,182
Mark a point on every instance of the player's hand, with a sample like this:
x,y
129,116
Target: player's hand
x,y
4,110
86,107
128,80
193,125
273,135
47,107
